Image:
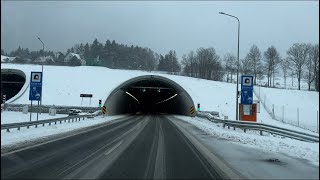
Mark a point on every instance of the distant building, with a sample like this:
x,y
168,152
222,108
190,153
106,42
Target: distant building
x,y
74,56
46,59
6,59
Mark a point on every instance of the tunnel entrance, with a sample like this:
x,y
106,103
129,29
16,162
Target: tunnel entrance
x,y
12,81
150,94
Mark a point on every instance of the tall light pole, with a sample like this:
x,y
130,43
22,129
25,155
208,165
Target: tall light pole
x,y
238,62
41,70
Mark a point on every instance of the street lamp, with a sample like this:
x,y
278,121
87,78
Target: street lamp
x,y
41,70
42,53
238,61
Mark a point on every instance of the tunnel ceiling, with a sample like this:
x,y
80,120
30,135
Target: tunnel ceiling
x,y
149,94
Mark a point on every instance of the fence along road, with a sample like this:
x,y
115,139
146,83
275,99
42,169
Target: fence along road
x,y
262,128
289,115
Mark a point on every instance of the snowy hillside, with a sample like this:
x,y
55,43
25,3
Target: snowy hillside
x,y
63,85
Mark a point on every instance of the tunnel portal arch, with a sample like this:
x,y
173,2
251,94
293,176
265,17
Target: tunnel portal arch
x,y
13,81
150,94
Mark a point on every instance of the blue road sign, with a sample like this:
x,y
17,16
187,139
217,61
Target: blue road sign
x,y
246,97
35,93
246,82
35,86
246,89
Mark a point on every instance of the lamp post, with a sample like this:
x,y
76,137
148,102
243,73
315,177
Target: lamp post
x,y
238,62
41,70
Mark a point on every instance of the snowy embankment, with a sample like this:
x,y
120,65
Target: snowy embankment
x,y
25,135
299,108
62,85
17,117
295,148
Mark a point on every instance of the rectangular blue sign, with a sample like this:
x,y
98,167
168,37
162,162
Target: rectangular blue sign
x,y
35,93
35,86
246,82
246,97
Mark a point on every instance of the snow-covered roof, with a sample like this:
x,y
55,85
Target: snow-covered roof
x,y
7,59
77,55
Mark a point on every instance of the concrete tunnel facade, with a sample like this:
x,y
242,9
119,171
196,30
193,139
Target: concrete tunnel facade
x,y
149,94
12,82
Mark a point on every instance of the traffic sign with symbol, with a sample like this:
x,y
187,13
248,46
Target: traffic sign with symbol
x,y
35,86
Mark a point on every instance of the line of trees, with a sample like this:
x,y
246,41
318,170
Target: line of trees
x,y
26,53
204,63
116,56
301,61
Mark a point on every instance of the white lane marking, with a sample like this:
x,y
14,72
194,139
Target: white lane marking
x,y
113,148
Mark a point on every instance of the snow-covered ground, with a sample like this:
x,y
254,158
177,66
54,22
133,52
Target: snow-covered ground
x,y
16,117
62,86
296,107
291,147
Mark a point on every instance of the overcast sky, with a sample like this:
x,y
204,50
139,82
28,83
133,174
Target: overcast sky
x,y
162,25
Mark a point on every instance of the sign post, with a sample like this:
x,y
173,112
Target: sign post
x,y
35,93
86,95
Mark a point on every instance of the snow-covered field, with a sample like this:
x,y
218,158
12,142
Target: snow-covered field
x,y
300,108
291,147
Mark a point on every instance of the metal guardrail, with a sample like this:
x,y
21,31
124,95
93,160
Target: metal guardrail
x,y
47,121
262,128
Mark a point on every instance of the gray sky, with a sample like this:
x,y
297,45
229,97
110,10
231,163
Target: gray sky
x,y
160,25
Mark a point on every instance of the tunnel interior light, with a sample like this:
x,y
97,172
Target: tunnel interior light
x,y
132,97
167,99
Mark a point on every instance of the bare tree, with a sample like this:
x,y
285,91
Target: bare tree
x,y
310,76
272,60
190,64
312,65
285,67
254,57
315,60
230,66
246,66
209,65
297,55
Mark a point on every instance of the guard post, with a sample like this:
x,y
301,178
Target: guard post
x,y
104,111
248,110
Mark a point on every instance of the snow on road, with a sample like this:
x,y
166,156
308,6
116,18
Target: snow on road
x,y
291,147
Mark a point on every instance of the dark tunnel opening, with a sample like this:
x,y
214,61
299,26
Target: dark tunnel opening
x,y
12,81
150,94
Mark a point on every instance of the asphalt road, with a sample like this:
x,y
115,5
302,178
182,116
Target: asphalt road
x,y
136,147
